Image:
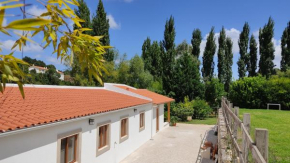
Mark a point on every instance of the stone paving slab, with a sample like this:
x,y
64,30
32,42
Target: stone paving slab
x,y
178,144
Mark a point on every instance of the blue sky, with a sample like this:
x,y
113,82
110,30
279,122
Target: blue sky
x,y
133,20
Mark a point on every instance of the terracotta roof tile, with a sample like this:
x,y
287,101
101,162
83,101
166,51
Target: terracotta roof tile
x,y
46,105
157,98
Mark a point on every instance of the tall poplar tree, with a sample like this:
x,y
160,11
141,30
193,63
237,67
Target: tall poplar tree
x,y
253,57
208,54
195,42
146,56
228,63
221,56
169,54
285,45
100,26
267,49
243,45
156,60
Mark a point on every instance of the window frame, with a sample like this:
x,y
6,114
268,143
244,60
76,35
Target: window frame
x,y
126,136
77,149
141,121
106,147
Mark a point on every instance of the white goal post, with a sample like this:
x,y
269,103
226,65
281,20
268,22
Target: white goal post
x,y
273,104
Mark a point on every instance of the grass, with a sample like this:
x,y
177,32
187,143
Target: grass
x,y
278,124
212,120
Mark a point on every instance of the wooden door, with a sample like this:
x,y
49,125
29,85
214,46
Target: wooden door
x,y
157,119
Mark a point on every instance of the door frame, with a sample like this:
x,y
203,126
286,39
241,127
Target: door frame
x,y
157,119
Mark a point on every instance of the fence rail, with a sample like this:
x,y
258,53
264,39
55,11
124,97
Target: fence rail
x,y
228,116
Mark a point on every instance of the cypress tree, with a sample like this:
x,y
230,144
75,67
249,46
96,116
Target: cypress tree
x,y
208,54
253,57
221,56
146,56
169,54
83,12
100,25
228,63
187,78
195,42
243,45
285,46
267,50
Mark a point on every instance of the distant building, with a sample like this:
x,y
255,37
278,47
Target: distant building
x,y
42,70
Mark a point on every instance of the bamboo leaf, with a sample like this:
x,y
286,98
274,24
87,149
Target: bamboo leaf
x,y
2,13
27,23
5,32
5,2
20,86
1,88
7,69
11,6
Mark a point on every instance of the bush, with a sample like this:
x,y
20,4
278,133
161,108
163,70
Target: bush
x,y
198,109
182,110
256,92
201,109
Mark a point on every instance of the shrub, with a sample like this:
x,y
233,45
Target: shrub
x,y
201,109
214,90
182,110
256,92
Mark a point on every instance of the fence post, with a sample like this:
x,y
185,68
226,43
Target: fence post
x,y
261,136
235,124
230,117
247,123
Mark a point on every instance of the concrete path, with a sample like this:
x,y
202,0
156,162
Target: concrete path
x,y
178,144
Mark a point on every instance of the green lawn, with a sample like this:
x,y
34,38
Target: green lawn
x,y
208,121
278,124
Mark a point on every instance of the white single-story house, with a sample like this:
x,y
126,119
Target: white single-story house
x,y
66,124
39,69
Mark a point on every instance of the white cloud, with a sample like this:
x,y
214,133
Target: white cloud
x,y
232,33
35,10
113,23
28,48
277,46
53,60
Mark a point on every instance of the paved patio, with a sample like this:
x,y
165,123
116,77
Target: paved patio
x,y
178,144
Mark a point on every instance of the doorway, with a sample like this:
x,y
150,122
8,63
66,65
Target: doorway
x,y
157,119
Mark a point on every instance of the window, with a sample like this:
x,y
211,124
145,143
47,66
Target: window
x,y
142,121
103,136
124,127
68,149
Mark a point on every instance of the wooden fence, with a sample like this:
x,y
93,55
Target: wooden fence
x,y
236,137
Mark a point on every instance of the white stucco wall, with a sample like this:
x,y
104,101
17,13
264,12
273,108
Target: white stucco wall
x,y
41,145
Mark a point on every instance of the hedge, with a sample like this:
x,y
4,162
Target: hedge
x,y
256,92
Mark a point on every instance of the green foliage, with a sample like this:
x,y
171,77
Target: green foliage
x,y
253,57
201,109
83,12
183,109
100,26
168,55
208,55
221,56
173,120
285,45
195,42
186,78
256,92
243,45
182,48
228,63
267,49
214,90
146,54
34,61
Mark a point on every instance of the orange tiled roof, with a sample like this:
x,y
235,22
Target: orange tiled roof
x,y
157,98
47,105
39,67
